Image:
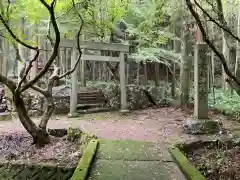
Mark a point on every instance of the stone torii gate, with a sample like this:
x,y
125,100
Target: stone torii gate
x,y
97,46
95,55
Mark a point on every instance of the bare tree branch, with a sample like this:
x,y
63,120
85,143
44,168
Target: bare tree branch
x,y
55,48
55,76
14,36
8,82
71,70
21,74
209,42
222,25
28,69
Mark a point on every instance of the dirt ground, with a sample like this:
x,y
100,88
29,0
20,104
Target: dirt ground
x,y
17,147
217,163
162,125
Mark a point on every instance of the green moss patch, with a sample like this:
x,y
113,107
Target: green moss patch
x,y
131,150
5,116
139,170
187,168
85,163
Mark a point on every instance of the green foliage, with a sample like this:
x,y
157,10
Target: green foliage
x,y
147,22
226,102
74,134
157,55
102,16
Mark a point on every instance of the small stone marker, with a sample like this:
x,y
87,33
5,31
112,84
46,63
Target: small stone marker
x,y
200,123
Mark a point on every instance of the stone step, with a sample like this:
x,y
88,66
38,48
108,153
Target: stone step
x,y
91,98
89,105
97,93
93,110
91,101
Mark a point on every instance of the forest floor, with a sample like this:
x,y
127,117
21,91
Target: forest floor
x,y
163,126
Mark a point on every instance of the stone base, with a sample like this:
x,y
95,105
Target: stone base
x,y
58,132
124,111
201,126
73,115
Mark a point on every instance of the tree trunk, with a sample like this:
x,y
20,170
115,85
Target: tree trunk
x,y
185,71
145,73
157,78
232,61
237,65
177,49
138,74
39,135
212,60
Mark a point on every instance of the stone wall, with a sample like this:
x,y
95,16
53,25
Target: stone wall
x,y
36,103
136,97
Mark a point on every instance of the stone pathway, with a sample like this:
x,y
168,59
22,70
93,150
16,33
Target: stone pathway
x,y
133,160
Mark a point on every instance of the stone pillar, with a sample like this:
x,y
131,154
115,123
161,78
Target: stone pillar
x,y
201,81
124,106
74,87
200,122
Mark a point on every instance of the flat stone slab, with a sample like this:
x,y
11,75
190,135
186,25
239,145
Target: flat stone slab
x,y
133,160
132,150
134,170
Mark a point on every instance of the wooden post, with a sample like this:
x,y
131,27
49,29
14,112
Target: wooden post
x,y
145,73
124,105
74,88
157,78
138,74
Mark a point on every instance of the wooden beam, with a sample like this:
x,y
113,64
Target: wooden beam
x,y
92,45
100,58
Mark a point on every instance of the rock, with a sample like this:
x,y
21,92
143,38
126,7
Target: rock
x,y
236,141
201,126
37,103
35,112
58,132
